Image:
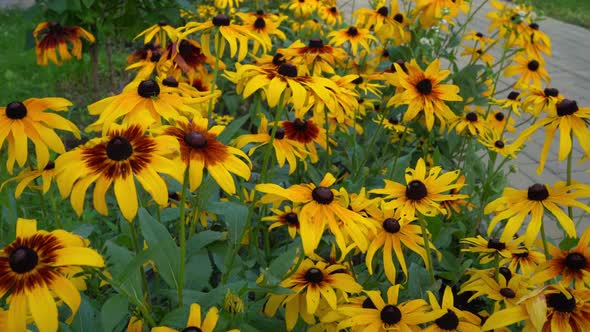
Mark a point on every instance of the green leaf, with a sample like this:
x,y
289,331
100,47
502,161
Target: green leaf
x,y
113,311
88,3
198,270
86,318
167,258
200,240
177,317
119,258
234,214
232,128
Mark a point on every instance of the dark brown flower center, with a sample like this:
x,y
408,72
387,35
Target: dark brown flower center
x,y
119,148
575,261
162,23
333,10
314,275
513,95
479,51
401,63
448,321
170,81
567,107
292,219
192,329
551,92
173,195
315,43
393,121
287,69
537,192
398,18
195,139
523,254
220,20
499,144
155,57
390,314
55,28
260,12
16,110
424,86
479,35
560,302
322,195
368,304
50,165
471,117
300,125
416,190
352,31
148,89
534,26
507,293
391,225
533,65
23,259
259,23
383,11
358,80
496,244
506,273
279,134
499,116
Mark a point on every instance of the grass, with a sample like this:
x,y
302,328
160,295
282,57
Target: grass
x,y
571,11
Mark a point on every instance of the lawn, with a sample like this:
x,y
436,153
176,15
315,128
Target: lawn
x,y
571,11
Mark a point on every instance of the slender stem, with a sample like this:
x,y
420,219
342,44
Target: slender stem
x,y
56,215
427,247
145,312
570,211
398,150
182,237
218,41
138,250
496,266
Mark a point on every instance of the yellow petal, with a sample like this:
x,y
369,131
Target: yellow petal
x,y
42,308
126,195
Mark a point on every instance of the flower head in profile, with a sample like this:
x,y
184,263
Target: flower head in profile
x,y
28,175
312,283
490,248
31,274
125,154
452,318
200,149
422,91
515,205
378,315
53,38
21,121
156,33
537,101
422,193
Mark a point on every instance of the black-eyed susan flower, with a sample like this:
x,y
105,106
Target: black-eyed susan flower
x,y
505,292
195,322
21,121
388,22
158,32
52,38
222,30
478,53
499,123
329,13
144,60
471,121
187,56
354,36
287,217
307,133
480,39
530,71
454,206
381,316
492,247
494,141
31,277
320,207
537,100
423,92
535,41
515,205
285,148
571,265
312,283
126,153
302,8
394,236
28,175
525,261
454,319
141,102
265,26
422,192
315,56
432,12
571,121
512,102
200,149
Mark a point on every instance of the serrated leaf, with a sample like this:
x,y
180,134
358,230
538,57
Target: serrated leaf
x,y
167,258
113,311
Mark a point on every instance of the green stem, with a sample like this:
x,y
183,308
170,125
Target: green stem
x,y
398,150
427,247
138,250
496,266
182,237
218,40
570,211
55,213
